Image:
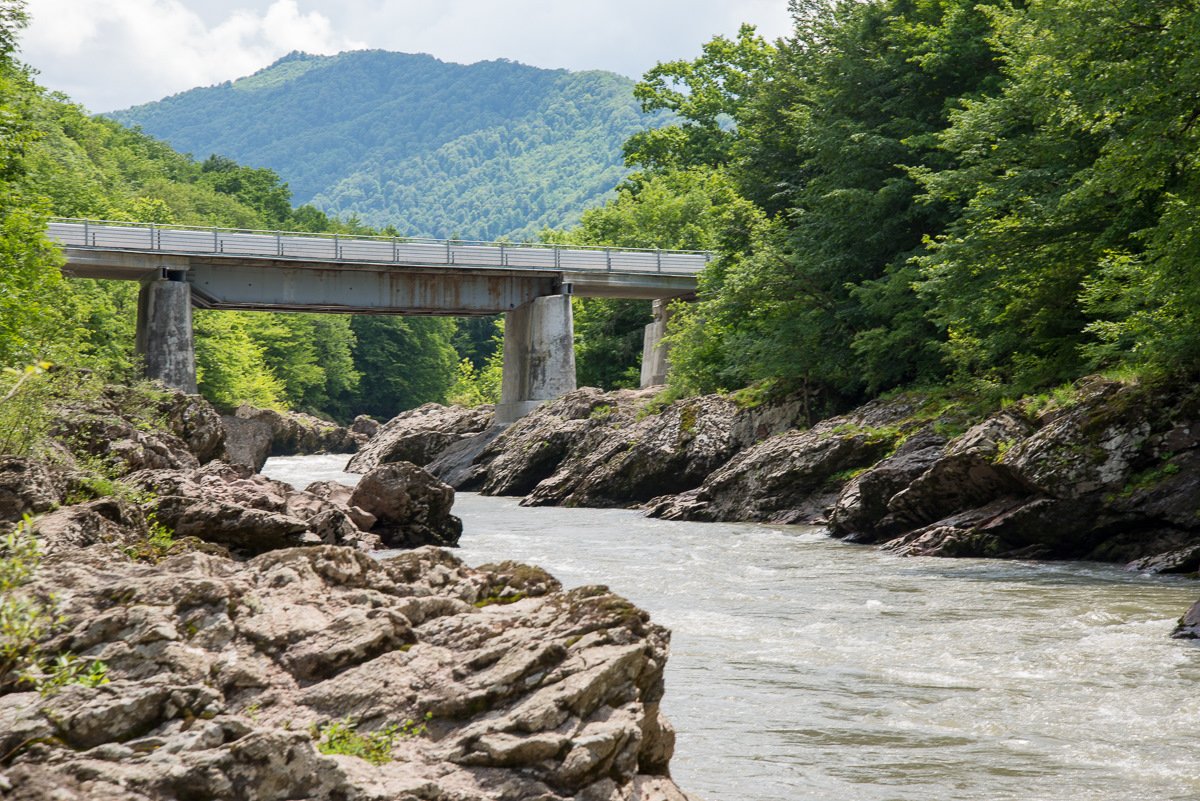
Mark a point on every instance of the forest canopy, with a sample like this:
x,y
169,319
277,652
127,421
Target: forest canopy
x,y
994,196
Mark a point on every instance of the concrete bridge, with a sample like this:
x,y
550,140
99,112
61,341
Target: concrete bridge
x,y
181,267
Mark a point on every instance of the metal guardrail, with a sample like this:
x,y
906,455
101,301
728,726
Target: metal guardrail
x,y
192,240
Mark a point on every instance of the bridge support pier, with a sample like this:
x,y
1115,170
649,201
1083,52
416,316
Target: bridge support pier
x,y
539,356
165,340
655,353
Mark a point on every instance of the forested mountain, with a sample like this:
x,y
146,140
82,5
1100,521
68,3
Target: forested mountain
x,y
474,151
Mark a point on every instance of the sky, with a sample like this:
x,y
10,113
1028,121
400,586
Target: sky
x,y
112,54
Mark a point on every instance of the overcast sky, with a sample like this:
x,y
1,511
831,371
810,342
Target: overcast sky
x,y
110,54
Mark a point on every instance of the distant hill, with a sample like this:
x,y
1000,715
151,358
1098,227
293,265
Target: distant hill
x,y
475,151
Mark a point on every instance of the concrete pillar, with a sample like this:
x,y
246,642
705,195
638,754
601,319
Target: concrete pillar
x,y
539,356
165,341
655,363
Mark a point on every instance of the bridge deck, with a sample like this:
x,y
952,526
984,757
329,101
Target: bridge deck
x,y
189,240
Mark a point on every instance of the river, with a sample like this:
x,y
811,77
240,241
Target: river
x,y
805,669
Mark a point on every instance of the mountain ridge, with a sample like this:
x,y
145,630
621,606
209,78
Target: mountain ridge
x,y
432,148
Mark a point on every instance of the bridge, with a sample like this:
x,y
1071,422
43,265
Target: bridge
x,y
181,267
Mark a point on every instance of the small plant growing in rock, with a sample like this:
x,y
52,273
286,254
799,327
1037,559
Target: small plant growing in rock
x,y
26,620
343,737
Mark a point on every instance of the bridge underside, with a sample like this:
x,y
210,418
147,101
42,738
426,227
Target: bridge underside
x,y
538,352
267,284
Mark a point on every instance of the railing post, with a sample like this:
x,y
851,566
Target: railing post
x,y
152,236
278,243
448,259
503,263
658,258
337,249
85,233
395,250
608,259
556,261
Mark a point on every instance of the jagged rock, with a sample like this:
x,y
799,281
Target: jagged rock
x,y
193,420
594,448
966,476
862,505
294,433
411,507
121,446
457,465
666,453
247,441
420,435
26,487
533,448
128,429
235,507
1188,627
365,425
793,477
1092,447
219,669
340,496
108,521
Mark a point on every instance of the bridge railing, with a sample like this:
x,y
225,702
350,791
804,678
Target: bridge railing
x,y
185,239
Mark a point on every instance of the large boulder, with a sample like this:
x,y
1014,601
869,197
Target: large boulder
x,y
297,433
224,676
249,514
966,475
1110,472
861,509
247,441
419,435
411,507
671,452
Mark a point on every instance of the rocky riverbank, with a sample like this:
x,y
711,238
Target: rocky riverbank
x,y
1105,471
250,649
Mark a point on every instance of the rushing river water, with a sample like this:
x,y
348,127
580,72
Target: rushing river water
x,y
804,668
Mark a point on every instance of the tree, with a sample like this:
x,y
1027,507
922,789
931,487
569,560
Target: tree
x,y
404,362
1077,247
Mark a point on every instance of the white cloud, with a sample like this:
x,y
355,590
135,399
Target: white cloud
x,y
110,54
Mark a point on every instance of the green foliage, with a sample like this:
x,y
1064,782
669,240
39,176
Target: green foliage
x,y
343,737
474,386
708,93
1077,246
405,361
447,150
23,421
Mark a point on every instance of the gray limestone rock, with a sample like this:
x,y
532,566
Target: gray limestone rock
x,y
411,507
420,435
222,672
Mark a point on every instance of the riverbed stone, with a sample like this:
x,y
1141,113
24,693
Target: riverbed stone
x,y
411,507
